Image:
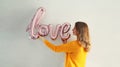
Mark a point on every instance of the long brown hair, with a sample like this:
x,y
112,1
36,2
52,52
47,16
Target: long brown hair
x,y
83,35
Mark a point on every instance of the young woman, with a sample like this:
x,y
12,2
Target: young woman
x,y
76,51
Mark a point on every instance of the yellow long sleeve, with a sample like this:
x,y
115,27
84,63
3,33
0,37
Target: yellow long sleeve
x,y
61,48
75,54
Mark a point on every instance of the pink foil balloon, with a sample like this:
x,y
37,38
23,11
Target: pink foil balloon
x,y
43,30
54,32
35,29
35,23
64,31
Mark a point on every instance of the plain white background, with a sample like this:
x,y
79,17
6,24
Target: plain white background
x,y
17,50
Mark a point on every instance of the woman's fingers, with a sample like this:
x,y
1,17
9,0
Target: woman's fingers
x,y
41,38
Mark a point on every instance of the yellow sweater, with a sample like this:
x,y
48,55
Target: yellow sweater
x,y
75,54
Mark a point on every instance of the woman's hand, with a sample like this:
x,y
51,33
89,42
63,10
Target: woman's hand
x,y
41,38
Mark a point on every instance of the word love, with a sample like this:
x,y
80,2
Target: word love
x,y
35,29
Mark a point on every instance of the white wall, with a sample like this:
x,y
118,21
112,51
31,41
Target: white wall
x,y
102,16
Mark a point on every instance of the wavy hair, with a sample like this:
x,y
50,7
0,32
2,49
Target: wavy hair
x,y
83,35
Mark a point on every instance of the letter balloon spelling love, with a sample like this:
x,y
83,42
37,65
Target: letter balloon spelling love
x,y
35,29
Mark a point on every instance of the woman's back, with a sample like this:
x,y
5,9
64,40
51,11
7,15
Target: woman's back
x,y
77,57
